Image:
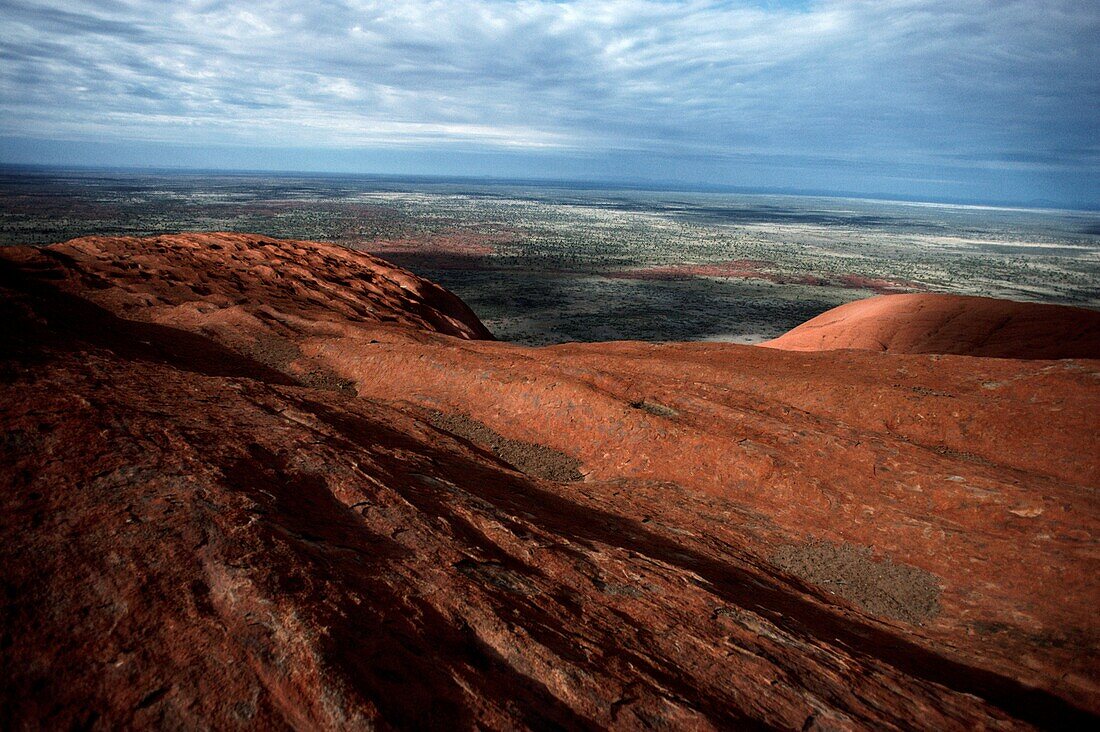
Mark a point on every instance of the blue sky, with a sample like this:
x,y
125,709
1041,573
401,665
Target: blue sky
x,y
957,99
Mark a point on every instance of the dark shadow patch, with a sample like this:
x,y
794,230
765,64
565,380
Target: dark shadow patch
x,y
655,408
152,697
539,301
497,575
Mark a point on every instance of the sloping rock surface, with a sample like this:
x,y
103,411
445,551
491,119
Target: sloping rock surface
x,y
955,324
254,483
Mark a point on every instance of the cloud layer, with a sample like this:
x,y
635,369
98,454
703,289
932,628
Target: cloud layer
x,y
992,85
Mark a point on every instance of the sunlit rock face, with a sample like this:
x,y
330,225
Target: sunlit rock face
x,y
956,324
263,483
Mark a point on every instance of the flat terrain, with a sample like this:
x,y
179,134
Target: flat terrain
x,y
551,264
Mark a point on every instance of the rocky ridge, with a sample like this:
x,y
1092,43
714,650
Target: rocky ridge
x,y
257,482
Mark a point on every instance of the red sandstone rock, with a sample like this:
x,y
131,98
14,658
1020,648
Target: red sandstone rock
x,y
228,504
956,324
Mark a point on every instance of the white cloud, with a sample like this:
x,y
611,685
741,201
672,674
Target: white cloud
x,y
876,79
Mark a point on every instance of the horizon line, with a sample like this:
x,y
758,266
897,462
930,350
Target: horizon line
x,y
639,184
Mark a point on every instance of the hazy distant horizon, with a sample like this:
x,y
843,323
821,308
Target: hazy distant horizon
x,y
605,184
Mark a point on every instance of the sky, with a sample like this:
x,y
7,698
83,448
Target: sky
x,y
969,100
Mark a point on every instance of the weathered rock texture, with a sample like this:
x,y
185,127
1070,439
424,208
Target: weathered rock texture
x,y
253,483
955,324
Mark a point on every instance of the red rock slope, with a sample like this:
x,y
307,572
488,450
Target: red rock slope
x,y
281,484
956,324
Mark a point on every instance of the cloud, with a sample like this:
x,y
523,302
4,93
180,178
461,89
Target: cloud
x,y
980,83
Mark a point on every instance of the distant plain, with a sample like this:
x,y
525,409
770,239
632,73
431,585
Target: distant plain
x,y
546,263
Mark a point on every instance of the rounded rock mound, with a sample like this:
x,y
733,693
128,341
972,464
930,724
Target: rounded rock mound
x,y
950,324
152,277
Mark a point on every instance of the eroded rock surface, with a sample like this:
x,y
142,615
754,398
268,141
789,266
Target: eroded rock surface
x,y
260,483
